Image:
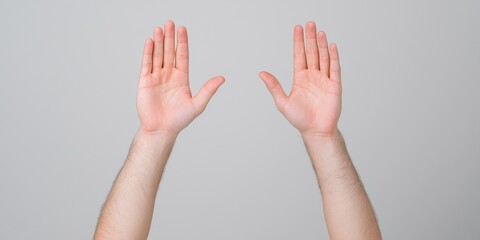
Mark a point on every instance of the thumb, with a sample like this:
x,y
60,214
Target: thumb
x,y
275,89
205,93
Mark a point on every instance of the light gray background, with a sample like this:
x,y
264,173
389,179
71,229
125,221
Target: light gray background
x,y
68,75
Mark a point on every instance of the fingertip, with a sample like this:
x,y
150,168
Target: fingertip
x,y
274,87
157,34
182,29
334,48
311,24
222,79
298,34
146,66
264,75
148,42
182,34
169,23
268,78
169,29
207,91
216,81
321,34
322,39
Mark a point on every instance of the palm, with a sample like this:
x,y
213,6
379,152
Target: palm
x,y
159,102
164,99
314,103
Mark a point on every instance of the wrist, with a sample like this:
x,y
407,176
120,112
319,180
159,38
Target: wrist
x,y
155,138
326,144
157,133
334,136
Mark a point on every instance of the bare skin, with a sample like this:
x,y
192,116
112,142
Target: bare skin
x,y
313,107
166,106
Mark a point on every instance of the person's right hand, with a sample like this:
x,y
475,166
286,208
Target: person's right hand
x,y
314,103
164,100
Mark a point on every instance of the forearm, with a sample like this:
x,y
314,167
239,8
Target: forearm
x,y
348,212
127,213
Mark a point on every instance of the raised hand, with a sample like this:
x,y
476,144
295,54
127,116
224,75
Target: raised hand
x,y
164,100
314,103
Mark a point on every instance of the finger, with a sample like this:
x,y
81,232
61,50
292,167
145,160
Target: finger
x,y
169,44
334,63
146,67
157,49
299,61
181,59
205,93
275,89
324,56
312,46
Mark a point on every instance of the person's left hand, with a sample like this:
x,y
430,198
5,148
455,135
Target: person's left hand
x,y
315,101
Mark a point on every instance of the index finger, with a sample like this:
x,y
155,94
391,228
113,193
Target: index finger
x,y
181,58
299,61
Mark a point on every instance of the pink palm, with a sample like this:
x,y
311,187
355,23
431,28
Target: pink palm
x,y
164,99
314,103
